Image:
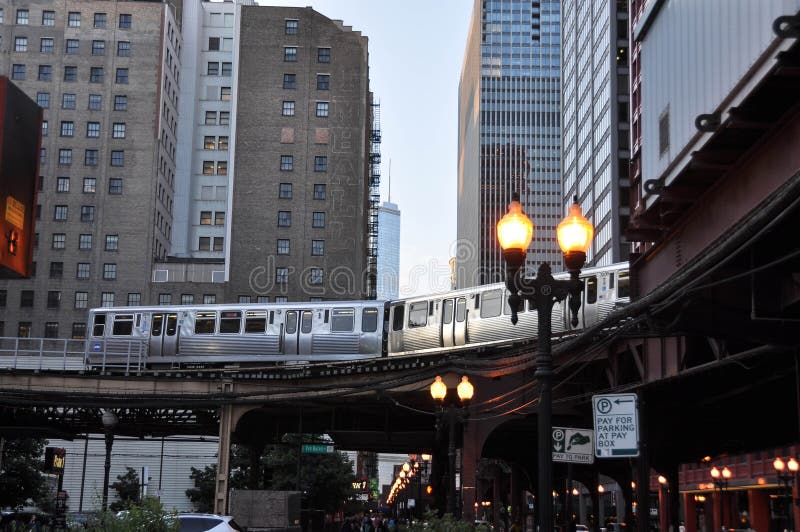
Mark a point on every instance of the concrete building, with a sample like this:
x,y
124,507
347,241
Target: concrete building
x,y
509,133
595,135
106,74
388,251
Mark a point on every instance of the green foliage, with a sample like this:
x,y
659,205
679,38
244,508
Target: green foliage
x,y
147,516
128,490
20,475
445,523
202,494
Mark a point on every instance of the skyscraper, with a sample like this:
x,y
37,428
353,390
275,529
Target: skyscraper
x,y
388,251
509,132
595,121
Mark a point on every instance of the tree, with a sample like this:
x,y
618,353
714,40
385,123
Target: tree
x,y
147,516
20,475
202,494
128,490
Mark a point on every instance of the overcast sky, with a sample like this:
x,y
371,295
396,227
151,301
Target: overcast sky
x,y
416,49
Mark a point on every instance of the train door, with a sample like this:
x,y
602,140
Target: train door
x,y
460,325
448,328
589,307
297,332
163,334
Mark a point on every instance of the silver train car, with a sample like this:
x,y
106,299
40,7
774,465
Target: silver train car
x,y
259,334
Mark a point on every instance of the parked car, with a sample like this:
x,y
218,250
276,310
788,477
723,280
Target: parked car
x,y
207,523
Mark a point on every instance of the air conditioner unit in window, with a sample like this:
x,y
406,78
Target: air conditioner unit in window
x,y
218,276
160,276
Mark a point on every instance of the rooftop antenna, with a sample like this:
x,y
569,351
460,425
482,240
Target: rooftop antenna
x,y
390,180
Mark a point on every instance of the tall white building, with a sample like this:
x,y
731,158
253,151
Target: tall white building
x,y
595,132
388,251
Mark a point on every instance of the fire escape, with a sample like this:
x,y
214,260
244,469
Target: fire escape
x,y
374,201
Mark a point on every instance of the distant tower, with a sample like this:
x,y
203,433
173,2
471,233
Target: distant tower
x,y
388,251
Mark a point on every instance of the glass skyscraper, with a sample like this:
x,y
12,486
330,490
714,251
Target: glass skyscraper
x,y
509,133
388,251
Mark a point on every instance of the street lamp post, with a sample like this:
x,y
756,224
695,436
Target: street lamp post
x,y
720,480
451,416
787,471
574,233
109,422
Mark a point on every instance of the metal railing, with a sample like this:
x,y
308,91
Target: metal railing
x,y
62,354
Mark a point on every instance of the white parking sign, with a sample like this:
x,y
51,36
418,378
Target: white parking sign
x,y
616,425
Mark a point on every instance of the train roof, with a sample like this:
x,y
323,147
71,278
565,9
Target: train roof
x,y
296,305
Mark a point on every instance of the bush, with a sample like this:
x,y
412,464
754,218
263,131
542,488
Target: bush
x,y
147,516
431,522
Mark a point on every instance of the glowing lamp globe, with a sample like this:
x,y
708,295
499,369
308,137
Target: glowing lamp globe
x,y
778,464
715,472
792,465
438,389
515,230
465,389
575,232
726,473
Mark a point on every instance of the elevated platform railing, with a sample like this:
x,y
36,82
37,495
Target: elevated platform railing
x,y
63,354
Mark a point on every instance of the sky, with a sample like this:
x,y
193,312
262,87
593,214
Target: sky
x,y
416,49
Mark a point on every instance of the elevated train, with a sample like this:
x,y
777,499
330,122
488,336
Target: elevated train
x,y
263,334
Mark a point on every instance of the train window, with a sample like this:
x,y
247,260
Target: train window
x,y
205,323
624,284
418,314
172,324
123,325
327,316
271,317
99,325
369,319
492,303
342,320
611,281
230,321
507,307
447,311
291,322
138,320
461,309
305,321
591,290
430,309
477,301
158,324
399,317
255,322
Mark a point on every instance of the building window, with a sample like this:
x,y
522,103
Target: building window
x,y
45,73
287,162
62,184
68,100
22,17
95,102
281,275
43,100
244,299
227,68
44,130
71,47
315,278
322,108
205,217
89,185
109,271
211,118
323,55
84,270
43,157
224,118
93,130
70,73
107,299
112,242
60,213
317,247
48,18
208,167
115,185
53,299
78,330
99,20
124,48
187,299
222,167
74,19
96,75
120,103
222,143
321,163
284,218
164,299
56,270
318,219
46,46
122,75
117,158
291,26
204,243
209,143
87,213
125,21
59,240
283,246
219,218
290,81
290,54
213,44
319,191
285,191
90,157
20,44
219,243
224,95
99,48
288,108
323,82
212,69
119,130
18,72
134,299
67,128
85,241
26,298
81,299
51,329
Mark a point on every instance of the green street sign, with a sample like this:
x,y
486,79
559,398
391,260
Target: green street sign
x,y
316,448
